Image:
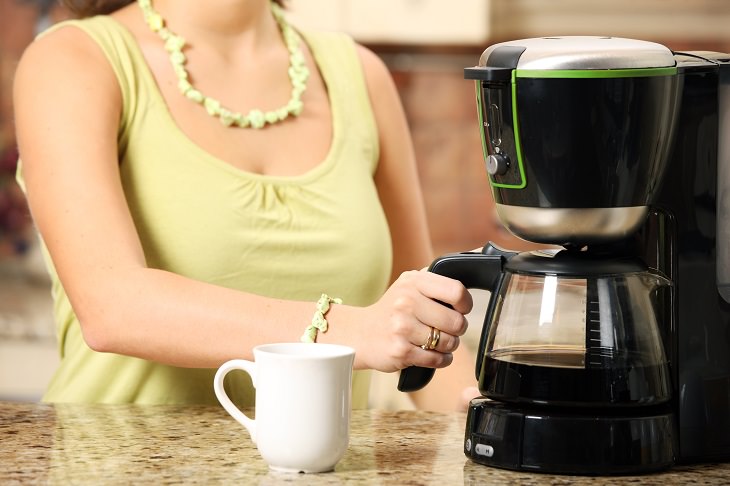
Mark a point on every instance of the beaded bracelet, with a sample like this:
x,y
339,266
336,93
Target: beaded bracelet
x,y
319,323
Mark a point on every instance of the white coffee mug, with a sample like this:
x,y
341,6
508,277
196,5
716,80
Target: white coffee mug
x,y
303,402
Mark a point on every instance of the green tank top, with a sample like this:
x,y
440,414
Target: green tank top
x,y
283,237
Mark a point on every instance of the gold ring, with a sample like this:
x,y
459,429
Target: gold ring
x,y
435,340
429,339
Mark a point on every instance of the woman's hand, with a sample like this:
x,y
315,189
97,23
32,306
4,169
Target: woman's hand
x,y
400,322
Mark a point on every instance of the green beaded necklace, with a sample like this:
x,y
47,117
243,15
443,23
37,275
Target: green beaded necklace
x,y
298,73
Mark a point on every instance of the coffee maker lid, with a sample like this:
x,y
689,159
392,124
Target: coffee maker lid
x,y
567,53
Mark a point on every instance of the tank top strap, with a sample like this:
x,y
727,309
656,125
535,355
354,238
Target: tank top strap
x,y
338,60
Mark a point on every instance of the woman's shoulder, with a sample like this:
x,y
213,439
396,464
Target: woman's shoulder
x,y
79,42
99,48
65,49
373,67
83,33
62,59
373,64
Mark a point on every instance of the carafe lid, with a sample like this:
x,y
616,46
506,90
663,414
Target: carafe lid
x,y
577,53
567,263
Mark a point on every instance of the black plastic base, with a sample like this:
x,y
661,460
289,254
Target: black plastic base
x,y
557,442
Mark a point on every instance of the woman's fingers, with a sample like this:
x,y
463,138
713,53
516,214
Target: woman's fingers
x,y
447,319
445,290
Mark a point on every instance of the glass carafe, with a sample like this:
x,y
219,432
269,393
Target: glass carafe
x,y
570,329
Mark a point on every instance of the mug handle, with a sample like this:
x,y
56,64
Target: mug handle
x,y
220,392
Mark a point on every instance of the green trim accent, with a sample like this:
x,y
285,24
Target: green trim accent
x,y
595,73
518,144
478,87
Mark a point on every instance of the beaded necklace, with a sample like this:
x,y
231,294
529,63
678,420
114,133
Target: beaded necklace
x,y
298,73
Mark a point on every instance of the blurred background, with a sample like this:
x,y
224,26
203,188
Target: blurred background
x,y
426,44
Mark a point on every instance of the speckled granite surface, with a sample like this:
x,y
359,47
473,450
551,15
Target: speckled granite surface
x,y
103,444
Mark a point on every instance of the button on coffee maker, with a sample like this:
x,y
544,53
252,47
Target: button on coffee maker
x,y
609,354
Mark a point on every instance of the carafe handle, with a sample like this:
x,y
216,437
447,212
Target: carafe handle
x,y
476,271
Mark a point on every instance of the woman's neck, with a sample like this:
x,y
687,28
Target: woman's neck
x,y
222,22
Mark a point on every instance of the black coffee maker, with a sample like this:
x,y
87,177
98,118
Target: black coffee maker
x,y
612,354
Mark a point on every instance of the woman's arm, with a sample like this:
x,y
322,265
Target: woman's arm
x,y
68,106
400,193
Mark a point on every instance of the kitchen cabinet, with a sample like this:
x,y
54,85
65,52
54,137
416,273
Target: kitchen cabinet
x,y
398,21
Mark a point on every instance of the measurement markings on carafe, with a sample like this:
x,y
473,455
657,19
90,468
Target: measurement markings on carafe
x,y
593,327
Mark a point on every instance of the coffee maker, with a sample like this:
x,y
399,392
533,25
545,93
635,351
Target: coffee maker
x,y
611,354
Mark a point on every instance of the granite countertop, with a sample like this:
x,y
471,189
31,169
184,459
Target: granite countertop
x,y
125,444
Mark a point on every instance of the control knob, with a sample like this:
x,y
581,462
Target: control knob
x,y
497,164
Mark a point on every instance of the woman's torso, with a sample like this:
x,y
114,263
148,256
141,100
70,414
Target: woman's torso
x,y
308,222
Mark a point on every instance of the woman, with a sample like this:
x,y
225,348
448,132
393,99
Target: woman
x,y
200,174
